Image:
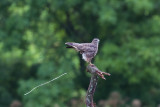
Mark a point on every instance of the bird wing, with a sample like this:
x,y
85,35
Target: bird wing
x,y
82,47
86,47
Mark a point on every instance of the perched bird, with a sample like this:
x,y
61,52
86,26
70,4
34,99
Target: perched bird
x,y
88,50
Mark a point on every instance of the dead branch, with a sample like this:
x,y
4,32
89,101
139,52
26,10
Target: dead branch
x,y
93,83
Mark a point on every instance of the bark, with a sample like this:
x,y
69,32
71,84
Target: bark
x,y
95,72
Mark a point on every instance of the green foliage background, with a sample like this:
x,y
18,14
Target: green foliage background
x,y
32,50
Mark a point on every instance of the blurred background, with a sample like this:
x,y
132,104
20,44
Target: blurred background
x,y
32,51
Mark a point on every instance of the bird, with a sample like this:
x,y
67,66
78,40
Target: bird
x,y
88,50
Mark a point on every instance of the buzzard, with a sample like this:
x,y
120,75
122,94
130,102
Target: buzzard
x,y
88,50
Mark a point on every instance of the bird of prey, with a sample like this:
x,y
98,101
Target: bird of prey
x,y
88,50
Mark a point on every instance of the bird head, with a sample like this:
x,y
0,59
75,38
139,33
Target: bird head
x,y
95,40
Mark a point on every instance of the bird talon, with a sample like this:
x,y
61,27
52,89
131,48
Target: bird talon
x,y
91,64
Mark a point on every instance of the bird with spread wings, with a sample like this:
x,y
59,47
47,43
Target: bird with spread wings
x,y
88,50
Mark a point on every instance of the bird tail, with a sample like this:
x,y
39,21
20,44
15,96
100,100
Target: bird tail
x,y
70,45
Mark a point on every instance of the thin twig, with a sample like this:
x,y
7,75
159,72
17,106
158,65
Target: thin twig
x,y
44,84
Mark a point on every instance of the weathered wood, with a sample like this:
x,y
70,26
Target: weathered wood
x,y
95,72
